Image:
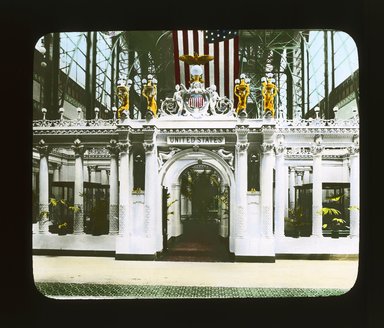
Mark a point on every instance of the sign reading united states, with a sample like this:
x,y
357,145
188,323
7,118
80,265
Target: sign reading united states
x,y
184,140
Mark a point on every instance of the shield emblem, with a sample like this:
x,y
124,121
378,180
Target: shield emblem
x,y
196,101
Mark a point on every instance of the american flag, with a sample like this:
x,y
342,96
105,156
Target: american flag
x,y
222,44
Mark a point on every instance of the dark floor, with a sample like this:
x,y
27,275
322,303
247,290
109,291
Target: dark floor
x,y
200,242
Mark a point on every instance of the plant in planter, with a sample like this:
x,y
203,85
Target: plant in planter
x,y
336,223
59,226
333,216
62,228
294,221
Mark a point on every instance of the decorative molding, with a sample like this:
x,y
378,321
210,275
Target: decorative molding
x,y
78,123
164,156
197,131
226,155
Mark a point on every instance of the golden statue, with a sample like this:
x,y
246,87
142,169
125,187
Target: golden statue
x,y
150,93
241,92
123,94
196,59
269,91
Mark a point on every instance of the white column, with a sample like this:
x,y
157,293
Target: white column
x,y
317,192
92,171
103,177
266,187
241,189
85,173
279,191
299,177
224,211
151,171
56,172
124,192
176,226
354,191
306,177
43,188
113,189
291,187
78,221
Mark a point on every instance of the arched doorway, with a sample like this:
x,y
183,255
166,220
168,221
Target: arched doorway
x,y
198,210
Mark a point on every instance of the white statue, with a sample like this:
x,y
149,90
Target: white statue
x,y
226,155
164,156
177,96
214,97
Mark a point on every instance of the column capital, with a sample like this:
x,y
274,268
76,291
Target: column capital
x,y
317,150
148,146
267,147
78,148
353,150
92,168
291,169
113,147
300,173
124,147
280,150
242,146
43,149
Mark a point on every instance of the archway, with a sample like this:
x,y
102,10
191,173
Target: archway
x,y
198,184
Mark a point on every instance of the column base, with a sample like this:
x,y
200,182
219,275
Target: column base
x,y
259,259
133,245
135,257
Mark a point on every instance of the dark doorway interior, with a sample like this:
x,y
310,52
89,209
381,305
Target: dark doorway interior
x,y
200,241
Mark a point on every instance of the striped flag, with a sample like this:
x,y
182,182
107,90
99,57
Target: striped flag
x,y
222,70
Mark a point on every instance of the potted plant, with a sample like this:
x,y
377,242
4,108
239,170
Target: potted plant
x,y
336,223
62,229
294,221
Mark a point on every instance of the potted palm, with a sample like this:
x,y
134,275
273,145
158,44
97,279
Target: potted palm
x,y
294,221
336,223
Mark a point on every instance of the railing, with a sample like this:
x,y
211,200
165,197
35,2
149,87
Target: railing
x,y
77,123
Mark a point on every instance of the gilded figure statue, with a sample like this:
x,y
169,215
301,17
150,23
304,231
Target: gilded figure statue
x,y
269,92
150,93
241,92
123,94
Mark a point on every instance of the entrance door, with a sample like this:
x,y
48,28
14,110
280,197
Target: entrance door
x,y
200,185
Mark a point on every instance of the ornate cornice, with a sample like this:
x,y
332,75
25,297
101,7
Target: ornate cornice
x,y
197,131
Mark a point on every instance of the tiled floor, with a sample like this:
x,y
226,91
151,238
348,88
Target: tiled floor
x,y
86,291
105,277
